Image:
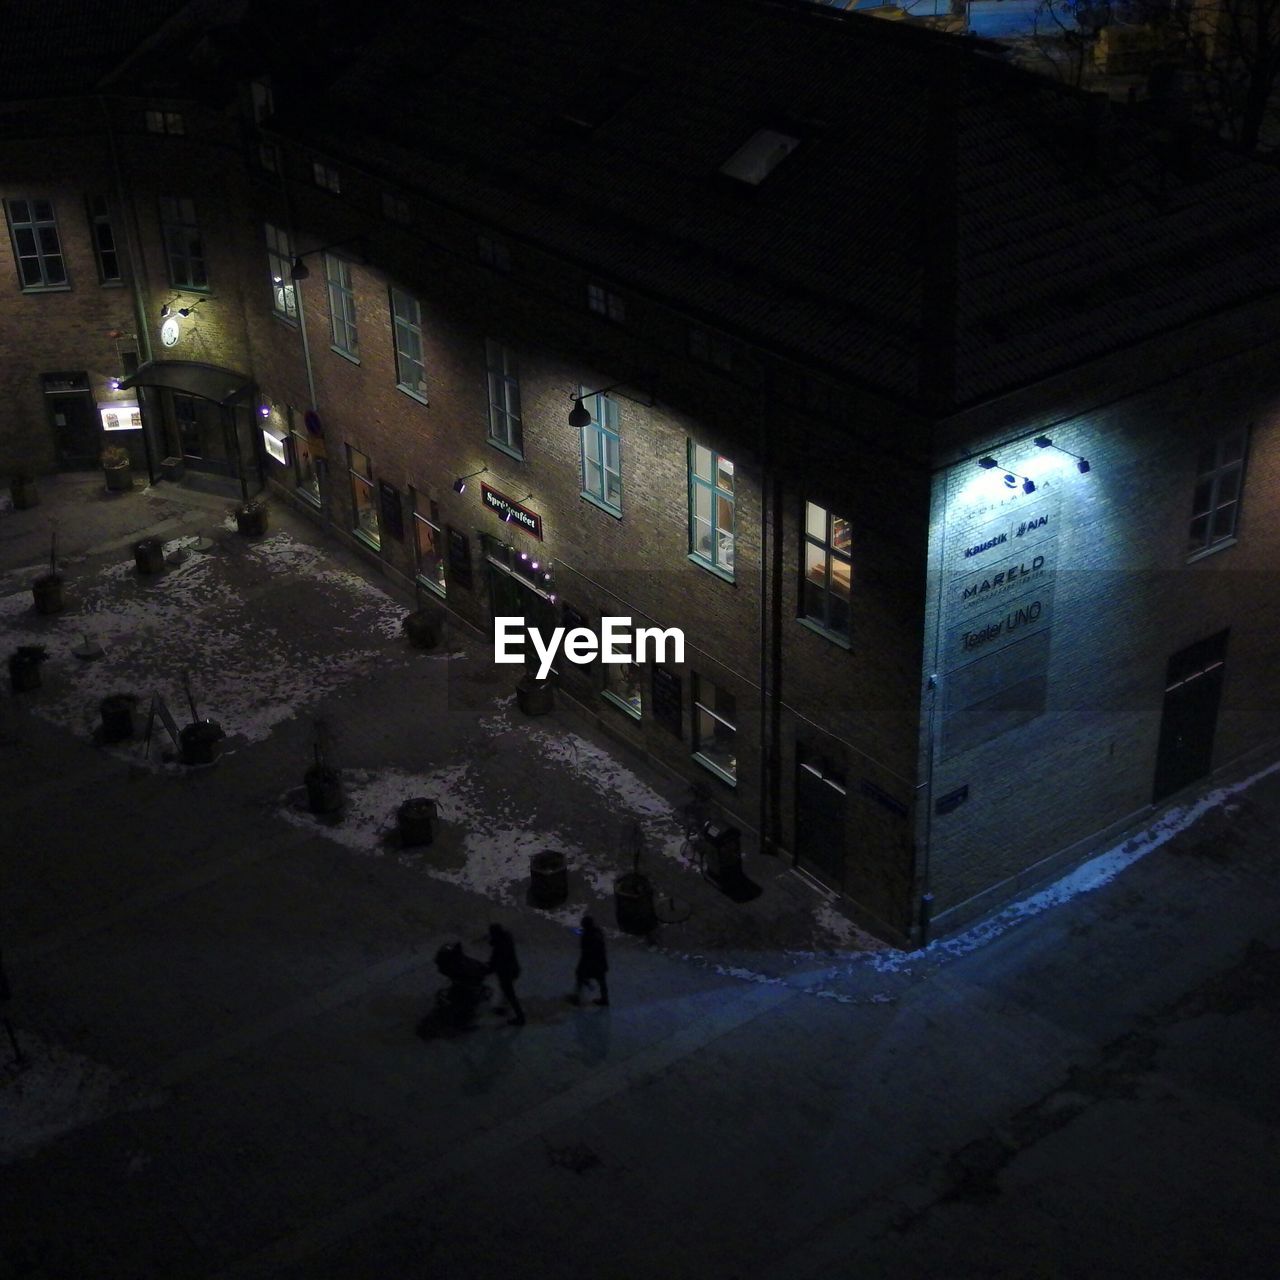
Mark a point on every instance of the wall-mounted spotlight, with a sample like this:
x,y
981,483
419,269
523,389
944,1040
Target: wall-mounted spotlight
x,y
511,513
1011,478
265,410
114,384
300,270
1082,464
580,415
460,484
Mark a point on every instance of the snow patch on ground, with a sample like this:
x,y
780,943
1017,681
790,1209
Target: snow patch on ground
x,y
53,1092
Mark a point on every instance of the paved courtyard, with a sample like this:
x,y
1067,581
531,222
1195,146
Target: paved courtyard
x,y
231,1058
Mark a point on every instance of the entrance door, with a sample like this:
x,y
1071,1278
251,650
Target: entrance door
x,y
1193,688
510,597
820,816
77,429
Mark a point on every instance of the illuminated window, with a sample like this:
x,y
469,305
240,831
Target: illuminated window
x,y
166,122
711,500
284,299
759,156
183,244
326,176
104,240
494,253
411,371
623,685
504,397
306,475
827,570
602,453
604,302
714,728
342,305
35,243
1215,506
429,544
364,507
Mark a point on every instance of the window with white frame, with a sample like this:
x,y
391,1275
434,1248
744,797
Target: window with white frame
x,y
428,541
604,302
411,370
36,245
1215,505
183,243
284,294
363,502
306,475
715,728
711,499
623,684
504,397
326,176
602,452
104,240
166,122
342,305
827,571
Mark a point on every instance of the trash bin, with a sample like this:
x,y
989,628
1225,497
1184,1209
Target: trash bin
x,y
117,716
723,847
549,878
415,820
148,555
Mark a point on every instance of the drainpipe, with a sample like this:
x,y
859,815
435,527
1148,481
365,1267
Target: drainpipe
x,y
762,420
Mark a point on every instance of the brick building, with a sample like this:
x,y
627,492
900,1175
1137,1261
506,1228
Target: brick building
x,y
945,430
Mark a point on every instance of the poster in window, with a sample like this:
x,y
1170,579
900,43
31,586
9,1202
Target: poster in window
x,y
459,558
391,510
667,699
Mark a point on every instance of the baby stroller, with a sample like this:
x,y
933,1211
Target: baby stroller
x,y
466,990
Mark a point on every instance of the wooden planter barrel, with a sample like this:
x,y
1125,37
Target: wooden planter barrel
x,y
251,521
119,479
117,716
46,591
633,903
148,555
549,878
201,742
535,697
324,789
415,820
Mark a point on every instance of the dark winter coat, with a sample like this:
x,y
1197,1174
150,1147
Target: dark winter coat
x,y
593,962
502,955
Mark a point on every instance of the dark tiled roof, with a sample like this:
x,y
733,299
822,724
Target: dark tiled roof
x,y
52,48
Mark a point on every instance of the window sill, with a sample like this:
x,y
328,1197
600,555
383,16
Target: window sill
x,y
291,321
615,512
374,544
411,393
1222,544
836,637
111,284
202,289
507,449
434,587
46,288
346,355
703,563
621,703
712,767
309,497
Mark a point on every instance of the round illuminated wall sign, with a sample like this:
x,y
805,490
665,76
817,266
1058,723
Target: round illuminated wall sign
x,y
170,332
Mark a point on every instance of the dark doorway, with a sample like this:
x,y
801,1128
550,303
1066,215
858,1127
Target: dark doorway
x,y
1193,689
514,593
77,429
821,793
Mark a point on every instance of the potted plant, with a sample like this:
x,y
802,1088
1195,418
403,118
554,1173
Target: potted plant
x,y
46,590
117,716
533,696
548,878
423,629
633,893
200,741
148,555
173,468
24,666
116,469
23,491
251,517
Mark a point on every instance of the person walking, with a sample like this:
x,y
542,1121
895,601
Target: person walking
x,y
593,962
506,968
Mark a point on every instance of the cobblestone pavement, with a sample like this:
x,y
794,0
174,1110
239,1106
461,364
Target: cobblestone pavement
x,y
234,1062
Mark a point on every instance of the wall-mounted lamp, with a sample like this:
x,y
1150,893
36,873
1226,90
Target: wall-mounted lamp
x,y
460,484
580,415
167,309
114,384
510,513
300,270
265,410
1011,478
1082,464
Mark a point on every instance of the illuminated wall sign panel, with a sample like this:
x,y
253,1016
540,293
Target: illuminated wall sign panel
x,y
275,445
512,512
120,415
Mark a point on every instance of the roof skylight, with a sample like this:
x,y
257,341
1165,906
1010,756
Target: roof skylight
x,y
759,156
